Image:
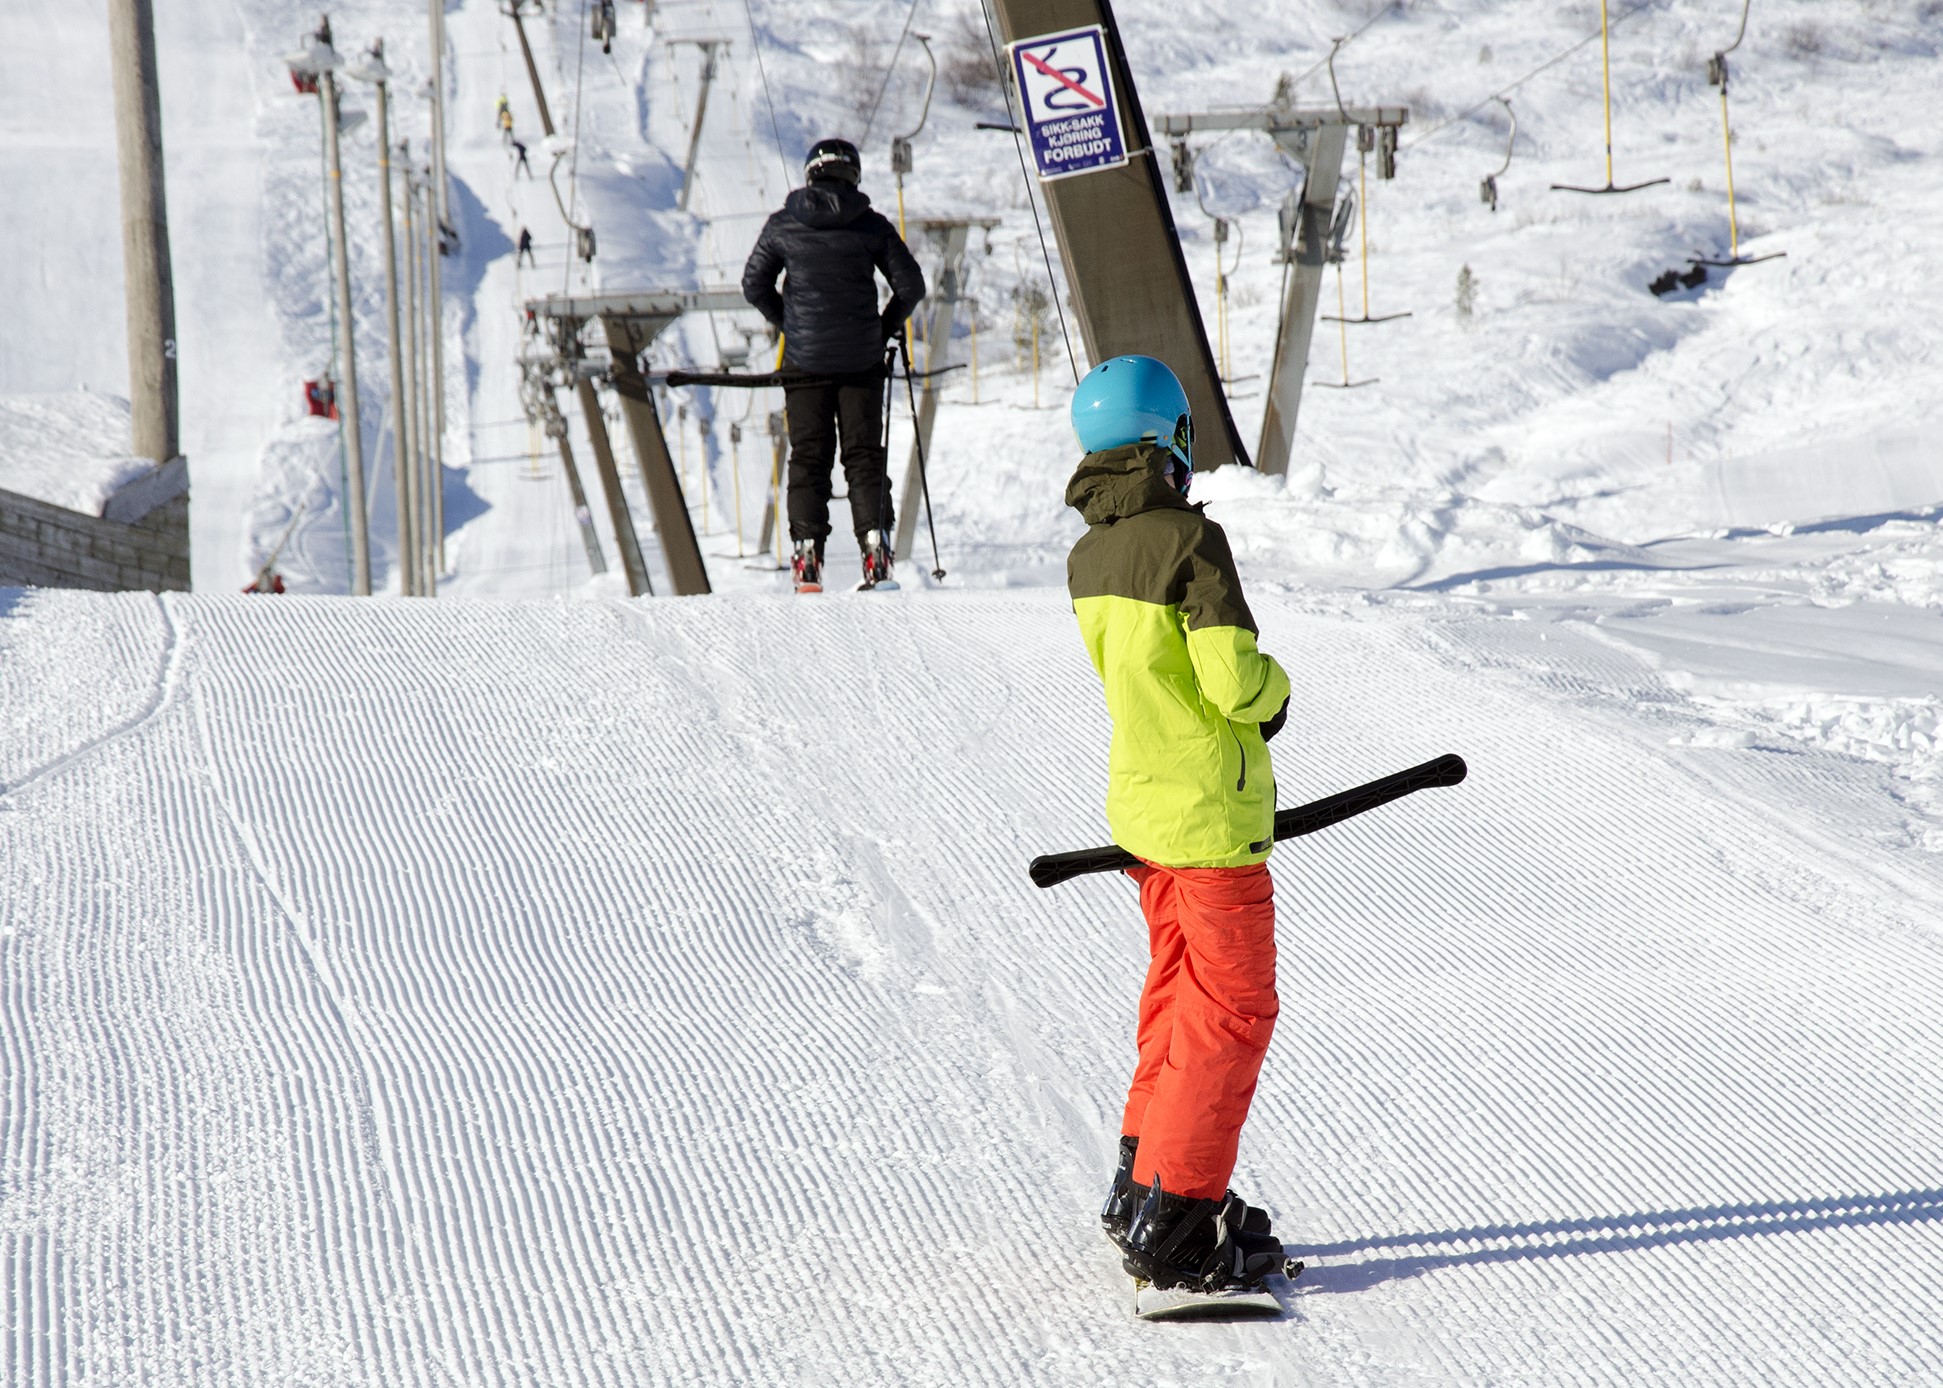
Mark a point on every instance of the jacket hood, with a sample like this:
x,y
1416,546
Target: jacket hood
x,y
826,203
1119,482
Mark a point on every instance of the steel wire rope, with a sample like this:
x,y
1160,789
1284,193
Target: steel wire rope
x,y
1550,62
755,42
890,69
1018,145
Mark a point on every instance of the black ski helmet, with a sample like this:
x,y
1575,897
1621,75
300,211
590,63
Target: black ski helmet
x,y
833,159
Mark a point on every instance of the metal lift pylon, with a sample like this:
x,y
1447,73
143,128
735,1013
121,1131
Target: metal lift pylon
x,y
1128,278
629,322
950,235
1316,138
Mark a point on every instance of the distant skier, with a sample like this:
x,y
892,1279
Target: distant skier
x,y
1191,793
505,121
832,245
525,251
520,166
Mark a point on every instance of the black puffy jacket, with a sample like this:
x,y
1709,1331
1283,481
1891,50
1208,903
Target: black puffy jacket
x,y
831,243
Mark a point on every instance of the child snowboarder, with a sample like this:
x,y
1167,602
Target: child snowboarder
x,y
1192,795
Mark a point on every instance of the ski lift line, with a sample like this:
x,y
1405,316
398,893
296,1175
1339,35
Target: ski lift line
x,y
1342,43
1510,87
889,68
775,130
1363,235
1018,146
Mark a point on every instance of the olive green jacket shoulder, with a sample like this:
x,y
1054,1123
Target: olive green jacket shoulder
x,y
1159,604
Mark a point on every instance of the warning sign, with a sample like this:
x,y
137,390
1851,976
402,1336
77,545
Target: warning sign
x,y
1070,113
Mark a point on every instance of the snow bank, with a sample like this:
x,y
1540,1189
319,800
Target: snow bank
x,y
68,448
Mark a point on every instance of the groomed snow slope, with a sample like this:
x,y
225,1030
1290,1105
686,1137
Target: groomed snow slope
x,y
618,993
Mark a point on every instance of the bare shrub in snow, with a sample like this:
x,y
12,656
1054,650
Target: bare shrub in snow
x,y
965,67
1805,40
1466,292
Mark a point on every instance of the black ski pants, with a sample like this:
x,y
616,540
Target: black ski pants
x,y
853,407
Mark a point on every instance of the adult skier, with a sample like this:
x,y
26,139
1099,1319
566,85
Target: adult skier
x,y
831,245
1191,793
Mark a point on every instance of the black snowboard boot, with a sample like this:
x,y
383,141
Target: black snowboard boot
x,y
1123,1197
1181,1241
1261,1250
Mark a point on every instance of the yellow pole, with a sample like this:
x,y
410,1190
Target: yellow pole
x,y
1221,312
1363,221
1605,62
1727,147
1341,330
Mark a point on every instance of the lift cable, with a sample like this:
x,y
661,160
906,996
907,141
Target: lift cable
x,y
1018,144
890,69
1510,87
755,42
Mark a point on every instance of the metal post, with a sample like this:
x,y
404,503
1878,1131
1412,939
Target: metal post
x,y
708,47
1129,280
683,555
610,481
443,209
1307,257
144,232
434,399
583,517
349,421
532,71
375,71
408,406
944,306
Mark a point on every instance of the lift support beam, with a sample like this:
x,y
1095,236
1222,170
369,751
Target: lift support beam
x,y
1129,280
940,311
1315,137
630,322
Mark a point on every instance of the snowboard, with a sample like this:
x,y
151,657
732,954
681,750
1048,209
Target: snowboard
x,y
1150,1303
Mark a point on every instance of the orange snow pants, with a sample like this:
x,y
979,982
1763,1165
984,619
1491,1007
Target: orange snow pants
x,y
1206,1014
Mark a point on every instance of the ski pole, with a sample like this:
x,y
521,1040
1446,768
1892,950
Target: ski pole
x,y
1050,869
917,439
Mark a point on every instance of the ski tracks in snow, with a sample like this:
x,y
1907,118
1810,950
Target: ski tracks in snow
x,y
652,993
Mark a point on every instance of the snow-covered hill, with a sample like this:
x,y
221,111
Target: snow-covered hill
x,y
562,989
653,993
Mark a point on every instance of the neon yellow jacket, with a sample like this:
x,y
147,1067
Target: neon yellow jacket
x,y
1160,606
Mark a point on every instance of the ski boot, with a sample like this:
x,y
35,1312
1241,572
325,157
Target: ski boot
x,y
1262,1252
806,566
877,562
1178,1241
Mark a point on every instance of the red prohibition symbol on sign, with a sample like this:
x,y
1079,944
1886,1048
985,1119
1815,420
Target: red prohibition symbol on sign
x,y
1067,78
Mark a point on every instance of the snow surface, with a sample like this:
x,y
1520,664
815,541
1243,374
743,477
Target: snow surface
x,y
493,993
69,449
564,989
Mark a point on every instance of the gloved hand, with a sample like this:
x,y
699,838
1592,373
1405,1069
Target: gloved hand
x,y
893,329
1274,725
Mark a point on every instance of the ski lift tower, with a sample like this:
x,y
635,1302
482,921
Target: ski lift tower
x,y
582,330
1315,137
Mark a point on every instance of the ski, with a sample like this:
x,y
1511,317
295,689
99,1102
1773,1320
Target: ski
x,y
1050,869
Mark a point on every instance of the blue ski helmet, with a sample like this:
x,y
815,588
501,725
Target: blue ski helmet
x,y
1127,400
